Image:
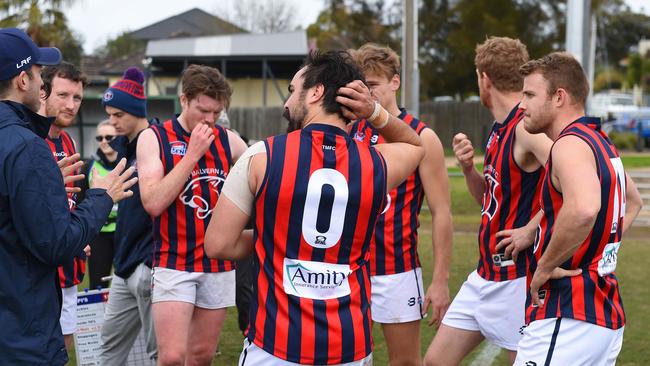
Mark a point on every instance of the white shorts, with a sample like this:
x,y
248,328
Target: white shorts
x,y
68,318
204,290
496,309
252,355
397,298
566,341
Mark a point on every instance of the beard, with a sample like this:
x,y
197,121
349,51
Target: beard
x,y
297,119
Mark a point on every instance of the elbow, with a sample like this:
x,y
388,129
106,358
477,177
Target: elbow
x,y
153,208
215,248
585,215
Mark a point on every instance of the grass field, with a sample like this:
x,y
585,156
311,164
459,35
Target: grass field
x,y
633,272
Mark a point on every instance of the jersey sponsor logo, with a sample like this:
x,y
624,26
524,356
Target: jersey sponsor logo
x,y
60,154
328,147
501,260
607,264
190,198
374,139
178,148
315,280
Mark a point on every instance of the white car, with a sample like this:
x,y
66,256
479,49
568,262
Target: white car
x,y
615,106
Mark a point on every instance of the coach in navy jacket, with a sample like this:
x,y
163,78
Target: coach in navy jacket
x,y
37,230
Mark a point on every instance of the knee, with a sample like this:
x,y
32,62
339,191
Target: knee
x,y
171,358
431,360
201,358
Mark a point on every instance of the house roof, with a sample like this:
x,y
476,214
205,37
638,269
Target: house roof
x,y
192,23
233,45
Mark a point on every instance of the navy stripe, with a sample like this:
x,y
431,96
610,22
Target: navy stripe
x,y
398,246
270,206
556,331
354,201
321,341
607,306
506,193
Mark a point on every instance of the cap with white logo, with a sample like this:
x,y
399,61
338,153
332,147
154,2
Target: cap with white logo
x,y
18,53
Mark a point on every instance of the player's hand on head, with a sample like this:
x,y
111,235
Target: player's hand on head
x,y
356,100
200,140
515,241
437,297
463,150
69,166
117,182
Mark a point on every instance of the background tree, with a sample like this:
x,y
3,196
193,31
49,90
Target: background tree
x,y
269,16
350,24
122,45
45,23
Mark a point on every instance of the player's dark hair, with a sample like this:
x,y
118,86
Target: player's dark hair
x,y
64,70
333,70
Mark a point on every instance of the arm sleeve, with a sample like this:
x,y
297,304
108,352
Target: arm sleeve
x,y
39,207
236,187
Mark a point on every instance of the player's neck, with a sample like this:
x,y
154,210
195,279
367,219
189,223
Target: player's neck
x,y
142,124
326,119
502,104
55,132
563,119
392,108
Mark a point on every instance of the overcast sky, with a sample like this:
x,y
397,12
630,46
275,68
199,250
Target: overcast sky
x,y
98,21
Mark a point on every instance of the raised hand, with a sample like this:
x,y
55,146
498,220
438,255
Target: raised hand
x,y
464,151
200,141
69,166
117,182
356,100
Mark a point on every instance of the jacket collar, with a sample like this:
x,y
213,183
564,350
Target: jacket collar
x,y
40,125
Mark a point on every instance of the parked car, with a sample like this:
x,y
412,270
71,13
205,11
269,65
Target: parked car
x,y
616,107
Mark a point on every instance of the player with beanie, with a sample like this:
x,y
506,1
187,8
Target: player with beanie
x,y
129,300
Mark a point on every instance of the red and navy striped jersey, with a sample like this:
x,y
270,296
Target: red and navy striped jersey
x,y
393,248
179,231
314,217
592,296
510,200
72,272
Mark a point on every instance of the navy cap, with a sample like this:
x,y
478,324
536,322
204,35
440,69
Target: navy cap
x,y
18,53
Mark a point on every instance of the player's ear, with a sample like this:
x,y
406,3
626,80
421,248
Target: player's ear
x,y
316,93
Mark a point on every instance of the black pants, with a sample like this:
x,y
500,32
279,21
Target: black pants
x,y
100,260
244,290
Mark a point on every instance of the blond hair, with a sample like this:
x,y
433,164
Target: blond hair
x,y
500,59
373,59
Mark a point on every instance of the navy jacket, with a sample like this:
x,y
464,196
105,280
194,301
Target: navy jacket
x,y
37,233
133,233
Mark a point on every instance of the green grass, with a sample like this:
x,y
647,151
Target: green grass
x,y
635,161
633,273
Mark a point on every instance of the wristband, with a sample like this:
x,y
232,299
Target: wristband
x,y
375,112
384,122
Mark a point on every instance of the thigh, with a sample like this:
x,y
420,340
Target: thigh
x,y
397,298
171,324
501,314
403,342
172,285
216,290
204,332
451,345
564,341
